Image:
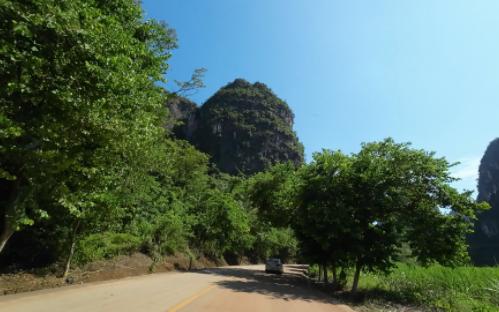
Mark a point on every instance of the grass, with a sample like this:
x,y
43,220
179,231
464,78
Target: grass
x,y
435,288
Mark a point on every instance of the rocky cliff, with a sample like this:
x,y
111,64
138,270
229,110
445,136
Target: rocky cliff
x,y
184,117
244,127
484,243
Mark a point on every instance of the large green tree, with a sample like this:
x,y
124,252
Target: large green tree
x,y
399,194
323,219
358,210
80,109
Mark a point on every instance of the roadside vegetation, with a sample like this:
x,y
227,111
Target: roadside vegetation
x,y
463,288
90,170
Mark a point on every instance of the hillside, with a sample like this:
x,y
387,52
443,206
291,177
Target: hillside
x,y
244,127
484,244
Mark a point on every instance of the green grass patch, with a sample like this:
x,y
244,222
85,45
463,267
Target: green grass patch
x,y
436,287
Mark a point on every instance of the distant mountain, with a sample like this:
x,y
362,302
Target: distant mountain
x,y
484,243
244,127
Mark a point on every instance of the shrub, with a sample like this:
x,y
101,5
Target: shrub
x,y
165,235
105,245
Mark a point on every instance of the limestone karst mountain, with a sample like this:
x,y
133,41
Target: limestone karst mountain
x,y
484,243
244,127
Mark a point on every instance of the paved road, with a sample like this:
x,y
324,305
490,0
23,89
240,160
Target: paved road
x,y
242,288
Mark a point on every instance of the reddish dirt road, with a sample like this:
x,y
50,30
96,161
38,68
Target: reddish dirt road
x,y
242,288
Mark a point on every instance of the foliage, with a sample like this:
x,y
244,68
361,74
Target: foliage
x,y
88,165
275,242
221,224
105,245
81,110
166,234
83,143
323,219
271,194
359,210
187,88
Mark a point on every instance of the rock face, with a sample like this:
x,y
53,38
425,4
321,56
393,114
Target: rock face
x,y
184,114
244,127
484,243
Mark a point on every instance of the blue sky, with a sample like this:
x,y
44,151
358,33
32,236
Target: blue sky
x,y
423,71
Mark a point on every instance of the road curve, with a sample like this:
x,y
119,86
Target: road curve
x,y
241,288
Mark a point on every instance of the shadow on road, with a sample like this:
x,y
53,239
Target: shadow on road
x,y
288,286
301,267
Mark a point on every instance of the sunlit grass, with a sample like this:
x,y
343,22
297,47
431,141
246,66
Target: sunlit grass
x,y
434,288
437,287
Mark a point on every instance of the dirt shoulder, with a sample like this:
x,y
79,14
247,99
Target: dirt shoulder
x,y
119,267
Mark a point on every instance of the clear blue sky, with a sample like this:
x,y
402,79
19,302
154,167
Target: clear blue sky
x,y
423,71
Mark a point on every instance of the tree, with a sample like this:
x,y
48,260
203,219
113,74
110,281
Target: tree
x,y
220,225
398,195
80,107
323,219
275,242
188,88
272,193
360,209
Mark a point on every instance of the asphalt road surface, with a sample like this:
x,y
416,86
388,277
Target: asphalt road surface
x,y
241,288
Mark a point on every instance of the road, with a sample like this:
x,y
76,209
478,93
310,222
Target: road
x,y
241,288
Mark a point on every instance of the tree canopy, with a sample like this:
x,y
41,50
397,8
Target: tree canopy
x,y
359,210
80,107
88,167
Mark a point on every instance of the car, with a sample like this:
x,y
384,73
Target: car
x,y
274,265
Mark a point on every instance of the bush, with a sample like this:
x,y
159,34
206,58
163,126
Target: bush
x,y
313,271
221,225
105,246
165,235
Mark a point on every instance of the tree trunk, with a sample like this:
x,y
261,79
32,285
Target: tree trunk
x,y
355,284
6,234
67,267
9,217
325,274
320,273
335,275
